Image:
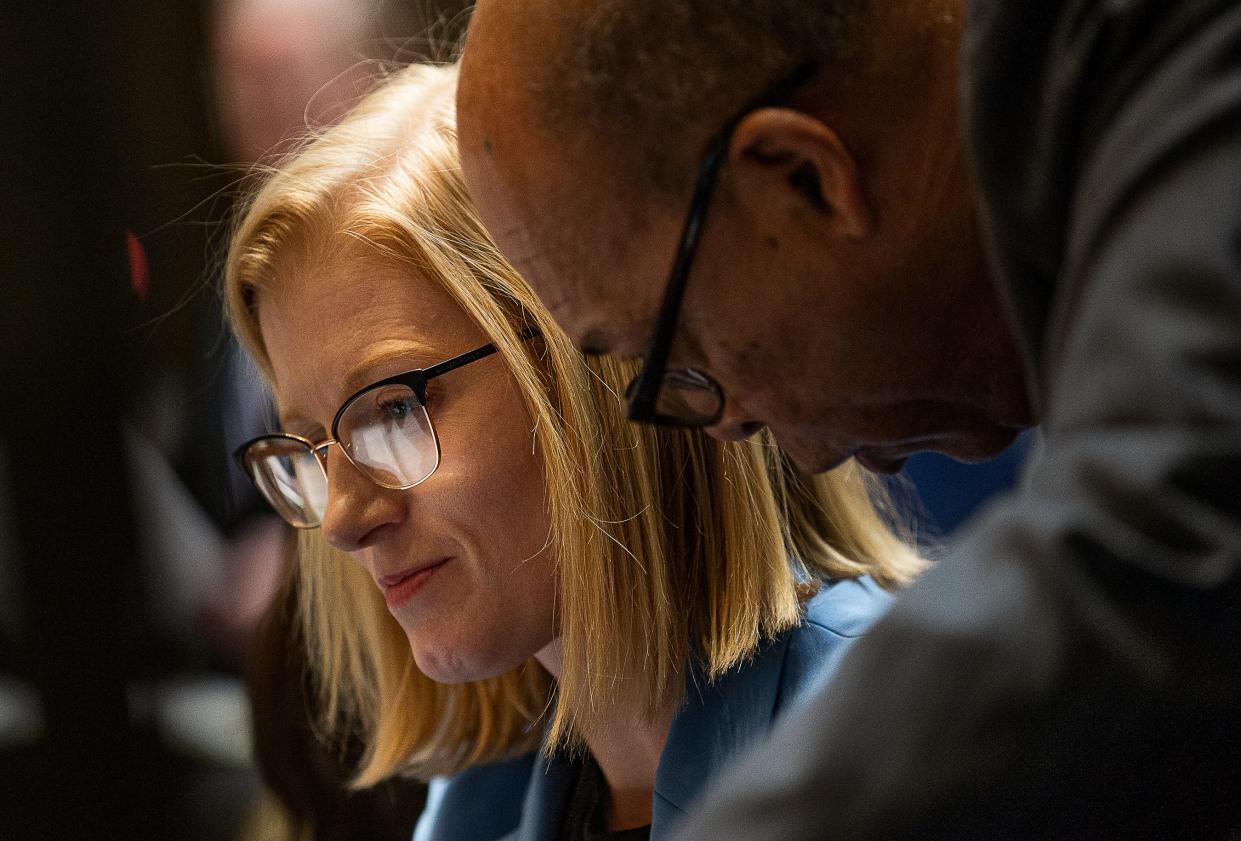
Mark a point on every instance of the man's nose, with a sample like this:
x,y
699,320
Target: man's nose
x,y
734,424
357,508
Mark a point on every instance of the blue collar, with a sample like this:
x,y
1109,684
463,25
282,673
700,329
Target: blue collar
x,y
717,722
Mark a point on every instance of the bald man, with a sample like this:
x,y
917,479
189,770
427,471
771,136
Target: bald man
x,y
853,263
773,204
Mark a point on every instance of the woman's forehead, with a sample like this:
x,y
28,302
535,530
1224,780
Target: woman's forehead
x,y
327,329
355,298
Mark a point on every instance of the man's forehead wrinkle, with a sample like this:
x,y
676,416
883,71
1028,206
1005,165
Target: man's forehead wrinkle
x,y
550,253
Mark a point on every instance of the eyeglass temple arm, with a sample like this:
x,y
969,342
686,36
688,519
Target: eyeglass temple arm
x,y
647,394
473,356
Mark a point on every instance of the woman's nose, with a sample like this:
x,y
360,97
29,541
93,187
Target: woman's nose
x,y
357,508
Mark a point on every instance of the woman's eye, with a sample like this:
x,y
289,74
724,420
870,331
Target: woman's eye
x,y
397,408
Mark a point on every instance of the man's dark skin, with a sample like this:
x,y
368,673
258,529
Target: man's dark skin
x,y
1073,669
855,320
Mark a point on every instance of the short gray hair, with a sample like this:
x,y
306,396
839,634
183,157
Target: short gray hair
x,y
656,74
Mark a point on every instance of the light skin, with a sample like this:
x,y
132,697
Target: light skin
x,y
840,295
333,326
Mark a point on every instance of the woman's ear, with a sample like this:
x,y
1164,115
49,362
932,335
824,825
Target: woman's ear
x,y
790,158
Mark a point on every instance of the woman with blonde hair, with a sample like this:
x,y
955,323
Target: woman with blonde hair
x,y
569,620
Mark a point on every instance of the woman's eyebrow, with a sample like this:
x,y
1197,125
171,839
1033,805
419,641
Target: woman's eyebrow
x,y
412,355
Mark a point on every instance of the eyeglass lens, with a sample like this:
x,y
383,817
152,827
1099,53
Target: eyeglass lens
x,y
385,432
685,397
291,477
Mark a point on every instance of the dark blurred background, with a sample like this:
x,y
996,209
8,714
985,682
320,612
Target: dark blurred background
x,y
135,564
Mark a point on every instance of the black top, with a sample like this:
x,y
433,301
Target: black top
x,y
586,815
1073,669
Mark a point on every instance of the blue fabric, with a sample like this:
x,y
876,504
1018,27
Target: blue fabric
x,y
951,492
524,799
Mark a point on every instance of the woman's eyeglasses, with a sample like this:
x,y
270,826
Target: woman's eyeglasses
x,y
384,430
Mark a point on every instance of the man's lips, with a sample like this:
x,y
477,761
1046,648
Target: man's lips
x,y
400,587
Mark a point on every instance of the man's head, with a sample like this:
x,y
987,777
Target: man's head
x,y
839,292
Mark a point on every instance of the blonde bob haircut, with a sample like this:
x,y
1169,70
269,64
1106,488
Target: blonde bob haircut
x,y
676,554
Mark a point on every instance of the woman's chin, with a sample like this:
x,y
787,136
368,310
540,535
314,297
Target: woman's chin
x,y
459,665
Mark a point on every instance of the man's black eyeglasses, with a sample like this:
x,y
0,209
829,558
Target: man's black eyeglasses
x,y
685,396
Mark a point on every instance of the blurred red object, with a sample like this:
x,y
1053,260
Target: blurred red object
x,y
139,267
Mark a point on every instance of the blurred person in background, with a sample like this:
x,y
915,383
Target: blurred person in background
x,y
574,620
283,66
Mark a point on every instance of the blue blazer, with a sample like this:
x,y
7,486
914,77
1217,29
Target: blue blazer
x,y
524,799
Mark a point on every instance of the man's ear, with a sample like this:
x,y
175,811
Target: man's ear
x,y
785,155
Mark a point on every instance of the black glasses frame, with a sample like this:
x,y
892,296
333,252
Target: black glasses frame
x,y
645,388
415,380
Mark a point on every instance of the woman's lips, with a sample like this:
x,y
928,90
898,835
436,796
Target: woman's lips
x,y
401,587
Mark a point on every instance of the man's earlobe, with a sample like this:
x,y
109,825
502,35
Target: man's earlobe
x,y
788,151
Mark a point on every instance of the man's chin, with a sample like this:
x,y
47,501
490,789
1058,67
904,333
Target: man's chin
x,y
810,459
880,463
887,461
978,447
